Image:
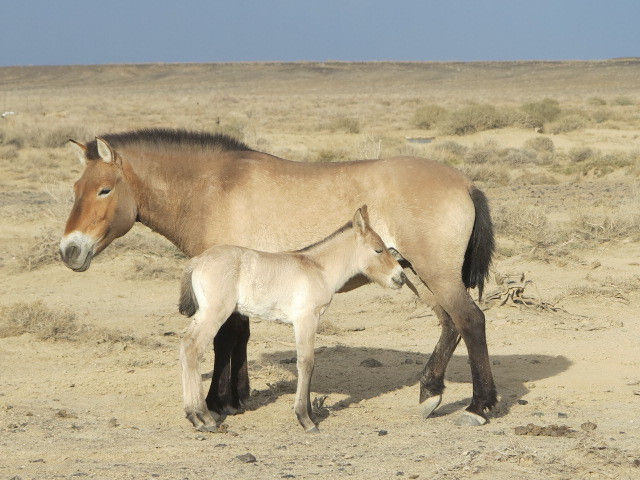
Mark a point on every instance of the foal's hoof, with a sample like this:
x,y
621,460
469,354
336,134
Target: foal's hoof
x,y
430,404
313,429
468,419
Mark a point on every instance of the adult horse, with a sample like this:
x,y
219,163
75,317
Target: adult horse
x,y
198,190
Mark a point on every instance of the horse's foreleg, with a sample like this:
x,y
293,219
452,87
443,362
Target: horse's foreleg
x,y
240,390
219,396
432,379
305,332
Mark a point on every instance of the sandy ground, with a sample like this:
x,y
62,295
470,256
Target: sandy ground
x,y
101,408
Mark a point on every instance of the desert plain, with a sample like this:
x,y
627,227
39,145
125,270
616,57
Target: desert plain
x,y
89,373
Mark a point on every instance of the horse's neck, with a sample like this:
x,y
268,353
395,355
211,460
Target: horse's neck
x,y
336,258
164,204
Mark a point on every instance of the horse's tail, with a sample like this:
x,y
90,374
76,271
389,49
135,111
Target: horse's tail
x,y
477,258
188,302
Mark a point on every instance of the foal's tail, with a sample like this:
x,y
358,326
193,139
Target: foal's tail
x,y
477,258
188,302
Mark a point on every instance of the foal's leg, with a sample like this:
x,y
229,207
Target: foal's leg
x,y
305,332
432,379
469,322
204,326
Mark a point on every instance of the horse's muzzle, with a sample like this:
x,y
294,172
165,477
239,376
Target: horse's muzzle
x,y
76,255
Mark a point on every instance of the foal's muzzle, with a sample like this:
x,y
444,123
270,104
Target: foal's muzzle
x,y
399,280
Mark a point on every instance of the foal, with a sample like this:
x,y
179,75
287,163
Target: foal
x,y
294,287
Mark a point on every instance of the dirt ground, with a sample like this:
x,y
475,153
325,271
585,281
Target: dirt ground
x,y
99,394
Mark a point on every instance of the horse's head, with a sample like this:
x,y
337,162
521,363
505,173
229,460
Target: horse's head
x,y
104,207
375,260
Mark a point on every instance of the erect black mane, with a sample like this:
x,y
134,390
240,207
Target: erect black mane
x,y
169,137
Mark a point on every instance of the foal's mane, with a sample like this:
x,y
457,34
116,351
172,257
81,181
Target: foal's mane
x,y
344,228
167,137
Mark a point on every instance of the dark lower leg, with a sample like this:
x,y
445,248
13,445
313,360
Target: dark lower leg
x,y
220,388
432,379
240,389
471,324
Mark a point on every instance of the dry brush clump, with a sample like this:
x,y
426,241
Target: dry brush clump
x,y
47,323
43,250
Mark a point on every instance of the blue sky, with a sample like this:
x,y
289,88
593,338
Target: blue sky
x,y
62,32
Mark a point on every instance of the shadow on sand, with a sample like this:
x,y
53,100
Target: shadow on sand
x,y
403,368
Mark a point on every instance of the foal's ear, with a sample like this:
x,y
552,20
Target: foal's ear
x,y
105,152
361,220
80,149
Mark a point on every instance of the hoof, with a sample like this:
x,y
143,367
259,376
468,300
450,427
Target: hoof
x,y
468,419
205,428
313,429
430,404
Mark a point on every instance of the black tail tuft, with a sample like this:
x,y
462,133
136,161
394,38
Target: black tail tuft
x,y
477,258
188,302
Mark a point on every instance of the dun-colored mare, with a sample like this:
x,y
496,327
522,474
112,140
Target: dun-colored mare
x,y
294,287
200,190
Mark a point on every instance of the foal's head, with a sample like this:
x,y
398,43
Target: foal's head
x,y
373,257
104,207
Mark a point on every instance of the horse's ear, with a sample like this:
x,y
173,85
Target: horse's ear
x,y
80,149
361,220
105,152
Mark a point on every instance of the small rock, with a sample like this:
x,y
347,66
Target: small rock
x,y
65,414
246,458
522,402
371,363
563,415
200,437
496,362
289,360
521,430
113,422
587,426
169,334
414,476
407,361
382,433
636,463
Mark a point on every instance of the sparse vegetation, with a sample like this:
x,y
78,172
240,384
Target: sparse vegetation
x,y
428,116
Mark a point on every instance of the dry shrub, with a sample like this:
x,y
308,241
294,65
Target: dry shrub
x,y
490,174
539,113
39,320
606,224
580,154
623,101
428,116
342,124
44,250
539,144
584,160
473,118
47,323
482,153
449,152
565,124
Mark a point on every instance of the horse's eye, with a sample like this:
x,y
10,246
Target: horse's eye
x,y
379,250
104,192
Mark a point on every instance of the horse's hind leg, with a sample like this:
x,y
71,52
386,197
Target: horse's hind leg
x,y
469,322
432,379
